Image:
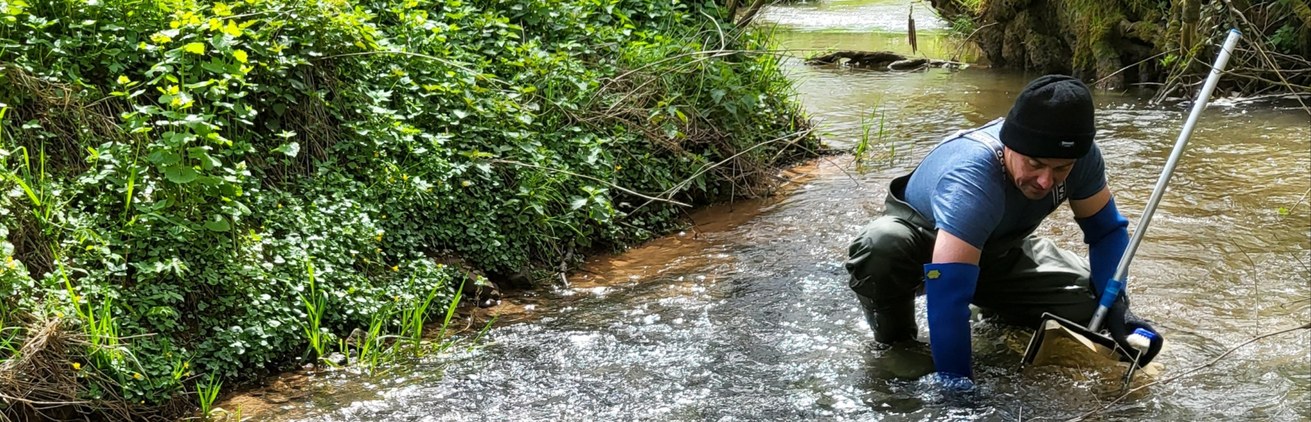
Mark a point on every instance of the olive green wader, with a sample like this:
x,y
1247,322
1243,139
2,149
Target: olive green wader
x,y
1019,277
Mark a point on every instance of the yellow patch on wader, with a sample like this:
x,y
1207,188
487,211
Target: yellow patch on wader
x,y
933,274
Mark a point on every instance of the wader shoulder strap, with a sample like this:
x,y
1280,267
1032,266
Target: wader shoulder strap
x,y
895,203
980,136
985,138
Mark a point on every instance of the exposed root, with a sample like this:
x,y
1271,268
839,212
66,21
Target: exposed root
x,y
63,115
633,99
41,382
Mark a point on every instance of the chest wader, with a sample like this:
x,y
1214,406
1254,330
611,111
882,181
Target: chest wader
x,y
1020,276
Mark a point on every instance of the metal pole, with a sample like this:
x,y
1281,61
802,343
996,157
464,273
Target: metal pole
x,y
1117,282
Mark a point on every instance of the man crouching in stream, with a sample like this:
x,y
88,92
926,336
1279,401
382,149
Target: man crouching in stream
x,y
961,226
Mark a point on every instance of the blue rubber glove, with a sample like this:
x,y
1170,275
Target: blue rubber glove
x,y
1107,235
949,289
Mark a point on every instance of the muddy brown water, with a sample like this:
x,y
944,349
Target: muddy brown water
x,y
746,315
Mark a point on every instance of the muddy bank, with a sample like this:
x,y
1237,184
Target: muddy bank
x,y
678,251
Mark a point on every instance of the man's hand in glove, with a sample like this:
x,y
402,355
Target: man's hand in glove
x,y
1121,323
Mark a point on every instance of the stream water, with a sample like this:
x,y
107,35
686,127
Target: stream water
x,y
748,317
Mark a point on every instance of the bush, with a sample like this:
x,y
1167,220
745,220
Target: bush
x,y
171,168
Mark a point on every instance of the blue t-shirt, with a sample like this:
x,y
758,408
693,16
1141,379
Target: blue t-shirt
x,y
962,188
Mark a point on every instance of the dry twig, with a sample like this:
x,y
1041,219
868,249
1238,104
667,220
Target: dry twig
x,y
1189,372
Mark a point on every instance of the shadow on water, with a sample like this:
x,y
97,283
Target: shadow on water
x,y
749,317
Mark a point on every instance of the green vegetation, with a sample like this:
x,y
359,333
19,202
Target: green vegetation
x,y
197,187
1120,42
872,133
207,392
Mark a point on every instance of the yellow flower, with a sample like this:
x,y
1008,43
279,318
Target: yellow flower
x,y
222,9
232,29
215,24
618,167
174,24
160,39
240,55
137,376
194,48
465,183
77,366
123,80
395,268
9,262
181,101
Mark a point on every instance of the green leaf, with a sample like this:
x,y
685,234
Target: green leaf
x,y
717,94
289,149
206,161
180,174
164,158
218,224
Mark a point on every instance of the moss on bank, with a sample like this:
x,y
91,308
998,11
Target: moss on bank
x,y
172,169
1168,44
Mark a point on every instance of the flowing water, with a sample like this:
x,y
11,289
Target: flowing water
x,y
748,317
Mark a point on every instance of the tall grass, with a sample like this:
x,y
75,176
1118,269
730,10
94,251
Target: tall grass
x,y
33,184
9,341
446,321
371,345
99,326
315,303
207,393
413,317
395,330
872,132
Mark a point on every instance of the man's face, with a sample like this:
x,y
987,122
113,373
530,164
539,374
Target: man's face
x,y
1036,177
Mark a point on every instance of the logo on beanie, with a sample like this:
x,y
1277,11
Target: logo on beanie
x,y
1067,144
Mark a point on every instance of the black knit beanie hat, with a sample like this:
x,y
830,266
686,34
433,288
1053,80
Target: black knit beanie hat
x,y
1052,118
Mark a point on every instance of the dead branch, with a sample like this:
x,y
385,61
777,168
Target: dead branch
x,y
751,13
584,176
1189,372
